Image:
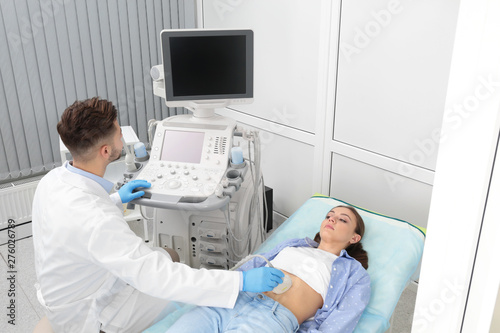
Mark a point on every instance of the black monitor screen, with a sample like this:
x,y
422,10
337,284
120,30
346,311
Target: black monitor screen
x,y
208,64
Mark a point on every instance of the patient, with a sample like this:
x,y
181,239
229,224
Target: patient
x,y
329,288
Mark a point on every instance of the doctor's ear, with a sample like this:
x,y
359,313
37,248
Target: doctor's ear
x,y
105,150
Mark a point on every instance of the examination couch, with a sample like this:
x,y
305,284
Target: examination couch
x,y
394,250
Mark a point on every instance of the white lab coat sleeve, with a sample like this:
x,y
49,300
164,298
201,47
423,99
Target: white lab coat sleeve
x,y
163,251
115,247
117,200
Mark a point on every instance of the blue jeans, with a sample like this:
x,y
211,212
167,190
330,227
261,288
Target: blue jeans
x,y
252,313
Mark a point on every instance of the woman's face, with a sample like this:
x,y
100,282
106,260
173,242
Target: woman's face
x,y
339,226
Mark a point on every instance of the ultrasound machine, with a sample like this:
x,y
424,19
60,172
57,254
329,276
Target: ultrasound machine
x,y
204,170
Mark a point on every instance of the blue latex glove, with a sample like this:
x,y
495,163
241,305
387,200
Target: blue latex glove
x,y
126,191
262,279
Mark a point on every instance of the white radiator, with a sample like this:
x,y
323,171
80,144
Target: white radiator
x,y
16,200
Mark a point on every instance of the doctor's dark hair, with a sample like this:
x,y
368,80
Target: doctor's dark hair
x,y
85,124
354,250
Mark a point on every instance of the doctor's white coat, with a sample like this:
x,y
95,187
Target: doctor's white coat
x,y
85,254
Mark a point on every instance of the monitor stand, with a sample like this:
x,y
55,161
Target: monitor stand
x,y
203,113
206,109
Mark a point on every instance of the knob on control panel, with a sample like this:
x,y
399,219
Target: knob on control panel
x,y
174,183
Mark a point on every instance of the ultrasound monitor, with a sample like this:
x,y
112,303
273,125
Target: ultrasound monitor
x,y
207,69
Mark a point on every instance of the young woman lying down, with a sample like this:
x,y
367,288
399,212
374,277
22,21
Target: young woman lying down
x,y
330,285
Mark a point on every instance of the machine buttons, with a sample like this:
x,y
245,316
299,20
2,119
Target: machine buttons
x,y
176,178
174,183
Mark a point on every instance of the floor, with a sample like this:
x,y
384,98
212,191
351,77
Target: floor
x,y
28,311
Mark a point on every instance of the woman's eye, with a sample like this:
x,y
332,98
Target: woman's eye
x,y
342,220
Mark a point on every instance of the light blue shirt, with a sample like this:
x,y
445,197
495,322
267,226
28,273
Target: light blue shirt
x,y
347,296
106,184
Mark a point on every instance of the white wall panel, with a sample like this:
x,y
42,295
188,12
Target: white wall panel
x,y
287,167
372,188
460,262
393,68
286,37
482,304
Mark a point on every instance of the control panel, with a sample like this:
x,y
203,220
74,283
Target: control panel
x,y
189,156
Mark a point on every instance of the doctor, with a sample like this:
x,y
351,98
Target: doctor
x,y
94,274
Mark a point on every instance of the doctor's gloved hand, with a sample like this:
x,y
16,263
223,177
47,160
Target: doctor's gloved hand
x,y
127,193
262,279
